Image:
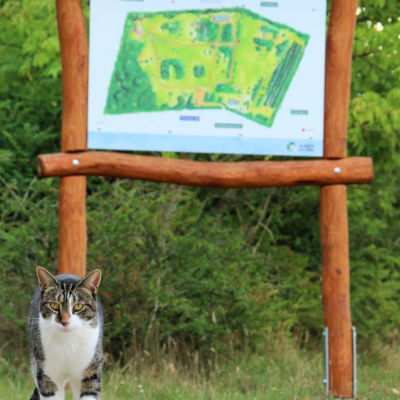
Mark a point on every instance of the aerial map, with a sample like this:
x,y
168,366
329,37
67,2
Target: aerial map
x,y
230,58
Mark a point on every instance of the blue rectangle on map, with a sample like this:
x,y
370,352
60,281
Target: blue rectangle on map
x,y
189,118
269,4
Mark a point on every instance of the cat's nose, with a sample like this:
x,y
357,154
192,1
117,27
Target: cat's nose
x,y
64,319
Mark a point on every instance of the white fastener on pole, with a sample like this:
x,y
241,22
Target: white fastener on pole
x,y
337,170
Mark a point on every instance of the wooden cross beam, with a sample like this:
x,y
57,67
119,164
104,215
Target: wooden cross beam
x,y
253,174
332,173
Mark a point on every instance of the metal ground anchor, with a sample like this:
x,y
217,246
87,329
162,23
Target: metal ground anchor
x,y
326,382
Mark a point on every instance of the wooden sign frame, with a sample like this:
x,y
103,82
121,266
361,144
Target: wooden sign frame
x,y
332,173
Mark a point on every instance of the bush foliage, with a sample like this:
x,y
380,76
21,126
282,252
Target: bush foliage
x,y
198,269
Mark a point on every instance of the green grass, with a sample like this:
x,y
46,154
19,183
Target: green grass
x,y
294,375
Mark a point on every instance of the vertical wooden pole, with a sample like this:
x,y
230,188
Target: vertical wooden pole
x,y
334,221
72,208
338,76
336,288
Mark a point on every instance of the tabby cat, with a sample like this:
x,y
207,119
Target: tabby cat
x,y
65,335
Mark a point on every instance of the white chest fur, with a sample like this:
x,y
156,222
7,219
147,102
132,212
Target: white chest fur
x,y
67,354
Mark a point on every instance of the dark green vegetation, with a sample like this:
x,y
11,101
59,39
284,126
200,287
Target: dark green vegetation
x,y
130,87
200,273
282,76
169,67
207,31
199,71
172,27
227,33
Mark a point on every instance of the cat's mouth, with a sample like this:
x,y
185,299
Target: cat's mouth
x,y
65,328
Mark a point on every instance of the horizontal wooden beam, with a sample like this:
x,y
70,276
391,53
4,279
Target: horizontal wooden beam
x,y
211,174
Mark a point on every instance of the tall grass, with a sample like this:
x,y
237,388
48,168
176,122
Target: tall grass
x,y
284,372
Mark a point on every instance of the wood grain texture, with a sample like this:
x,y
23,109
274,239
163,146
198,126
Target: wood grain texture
x,y
72,226
338,76
72,199
336,287
74,59
212,174
334,223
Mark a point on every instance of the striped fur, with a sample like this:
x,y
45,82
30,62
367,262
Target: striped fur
x,y
65,335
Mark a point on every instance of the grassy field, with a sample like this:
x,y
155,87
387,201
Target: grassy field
x,y
294,376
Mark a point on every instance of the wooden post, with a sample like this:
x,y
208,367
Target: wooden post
x,y
72,209
338,76
334,222
336,288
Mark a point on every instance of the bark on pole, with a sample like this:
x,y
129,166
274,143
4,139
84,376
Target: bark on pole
x,y
333,213
72,207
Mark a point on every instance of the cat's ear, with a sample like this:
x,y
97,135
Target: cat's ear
x,y
91,281
45,278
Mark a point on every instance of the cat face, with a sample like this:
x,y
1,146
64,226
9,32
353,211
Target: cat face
x,y
68,303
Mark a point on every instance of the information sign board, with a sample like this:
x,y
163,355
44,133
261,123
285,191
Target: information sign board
x,y
215,76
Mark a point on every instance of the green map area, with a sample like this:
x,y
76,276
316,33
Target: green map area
x,y
229,59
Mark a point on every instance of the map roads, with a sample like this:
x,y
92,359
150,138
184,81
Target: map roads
x,y
232,59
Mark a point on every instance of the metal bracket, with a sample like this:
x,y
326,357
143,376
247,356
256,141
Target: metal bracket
x,y
355,376
325,335
326,382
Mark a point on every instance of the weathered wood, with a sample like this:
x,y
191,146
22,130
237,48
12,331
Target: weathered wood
x,y
338,76
336,288
213,174
72,200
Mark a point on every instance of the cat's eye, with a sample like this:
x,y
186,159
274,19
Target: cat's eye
x,y
78,307
54,306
